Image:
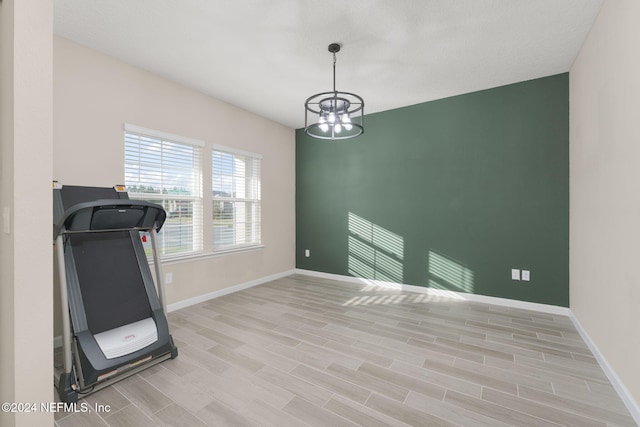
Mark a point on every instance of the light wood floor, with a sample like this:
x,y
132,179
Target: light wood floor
x,y
304,351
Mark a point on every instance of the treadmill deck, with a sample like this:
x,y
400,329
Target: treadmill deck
x,y
128,338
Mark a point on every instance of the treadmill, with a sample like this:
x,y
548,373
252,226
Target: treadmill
x,y
114,319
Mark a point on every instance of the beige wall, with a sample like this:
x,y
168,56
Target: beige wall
x,y
94,95
26,301
605,188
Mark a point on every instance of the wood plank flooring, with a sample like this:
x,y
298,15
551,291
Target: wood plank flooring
x,y
304,351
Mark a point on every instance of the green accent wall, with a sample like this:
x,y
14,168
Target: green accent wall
x,y
449,194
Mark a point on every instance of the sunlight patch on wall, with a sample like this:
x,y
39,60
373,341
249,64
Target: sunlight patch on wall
x,y
374,252
447,273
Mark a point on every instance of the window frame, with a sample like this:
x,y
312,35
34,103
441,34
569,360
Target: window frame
x,y
255,200
197,199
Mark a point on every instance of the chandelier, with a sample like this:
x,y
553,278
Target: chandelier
x,y
334,115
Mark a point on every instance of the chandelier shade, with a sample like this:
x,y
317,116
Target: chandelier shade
x,y
334,115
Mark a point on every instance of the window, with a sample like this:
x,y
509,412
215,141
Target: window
x,y
166,169
236,198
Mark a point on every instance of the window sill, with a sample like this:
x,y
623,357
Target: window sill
x,y
207,255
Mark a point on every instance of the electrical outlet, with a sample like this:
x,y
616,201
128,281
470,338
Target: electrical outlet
x,y
515,274
307,253
526,275
168,278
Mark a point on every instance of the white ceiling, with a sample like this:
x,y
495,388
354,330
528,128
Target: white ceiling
x,y
269,56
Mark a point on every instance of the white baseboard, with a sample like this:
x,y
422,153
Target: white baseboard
x,y
623,392
545,308
231,289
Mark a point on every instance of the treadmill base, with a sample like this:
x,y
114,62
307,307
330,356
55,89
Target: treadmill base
x,y
65,391
68,395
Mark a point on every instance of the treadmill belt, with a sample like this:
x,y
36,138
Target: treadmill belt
x,y
111,284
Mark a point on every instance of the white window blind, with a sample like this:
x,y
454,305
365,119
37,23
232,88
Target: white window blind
x,y
236,198
168,172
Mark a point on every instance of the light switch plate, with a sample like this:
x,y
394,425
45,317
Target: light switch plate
x,y
526,275
515,274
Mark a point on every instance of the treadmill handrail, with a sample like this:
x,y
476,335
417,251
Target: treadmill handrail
x,y
93,206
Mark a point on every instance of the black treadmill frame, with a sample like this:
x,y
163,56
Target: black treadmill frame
x,y
86,369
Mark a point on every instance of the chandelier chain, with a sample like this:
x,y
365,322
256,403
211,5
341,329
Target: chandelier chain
x,y
334,71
